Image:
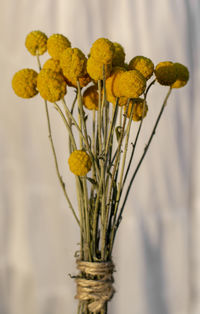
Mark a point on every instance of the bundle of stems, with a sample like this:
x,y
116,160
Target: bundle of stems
x,y
102,196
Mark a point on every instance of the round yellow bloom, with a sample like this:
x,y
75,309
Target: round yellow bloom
x,y
102,50
51,85
144,65
91,98
79,163
36,43
132,84
111,85
165,73
53,65
24,83
56,44
140,109
119,55
182,75
95,69
73,63
116,74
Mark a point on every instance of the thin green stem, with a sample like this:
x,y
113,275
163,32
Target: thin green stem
x,y
112,125
123,162
68,113
70,121
116,165
54,154
99,119
66,124
101,153
56,164
137,135
38,61
120,116
133,148
140,161
93,150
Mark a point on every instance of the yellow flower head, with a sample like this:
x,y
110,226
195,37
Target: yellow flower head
x,y
144,65
91,98
51,85
102,50
111,86
24,83
36,43
182,75
115,75
56,44
95,69
53,65
73,63
131,84
119,55
140,109
165,73
83,80
79,163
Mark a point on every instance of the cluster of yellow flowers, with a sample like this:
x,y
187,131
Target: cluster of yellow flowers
x,y
66,66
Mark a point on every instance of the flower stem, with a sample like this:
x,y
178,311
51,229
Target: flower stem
x,y
54,154
141,160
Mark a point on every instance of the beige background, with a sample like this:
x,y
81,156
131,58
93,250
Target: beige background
x,y
157,250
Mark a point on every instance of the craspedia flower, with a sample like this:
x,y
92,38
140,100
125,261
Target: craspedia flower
x,y
132,84
102,50
119,55
24,83
56,44
51,85
140,109
165,73
111,85
73,63
95,69
115,75
79,163
91,98
182,75
36,43
53,65
144,65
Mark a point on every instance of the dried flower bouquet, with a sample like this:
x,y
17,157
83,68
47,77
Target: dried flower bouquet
x,y
114,93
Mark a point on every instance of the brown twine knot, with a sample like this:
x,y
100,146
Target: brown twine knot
x,y
95,283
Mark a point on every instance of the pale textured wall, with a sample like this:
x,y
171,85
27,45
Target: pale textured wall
x,y
156,254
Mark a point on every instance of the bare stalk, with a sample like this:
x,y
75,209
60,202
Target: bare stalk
x,y
139,164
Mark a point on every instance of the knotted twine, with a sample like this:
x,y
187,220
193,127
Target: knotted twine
x,y
96,290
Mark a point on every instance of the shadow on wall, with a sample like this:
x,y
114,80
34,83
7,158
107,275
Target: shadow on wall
x,y
154,280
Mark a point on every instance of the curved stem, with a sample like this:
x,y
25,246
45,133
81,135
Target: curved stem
x,y
56,164
66,124
54,154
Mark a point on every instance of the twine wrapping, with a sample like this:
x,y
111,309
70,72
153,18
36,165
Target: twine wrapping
x,y
96,285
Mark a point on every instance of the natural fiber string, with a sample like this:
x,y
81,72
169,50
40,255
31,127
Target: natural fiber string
x,y
96,291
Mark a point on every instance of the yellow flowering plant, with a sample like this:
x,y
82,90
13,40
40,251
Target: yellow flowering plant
x,y
115,94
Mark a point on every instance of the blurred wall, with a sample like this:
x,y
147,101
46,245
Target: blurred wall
x,y
156,253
